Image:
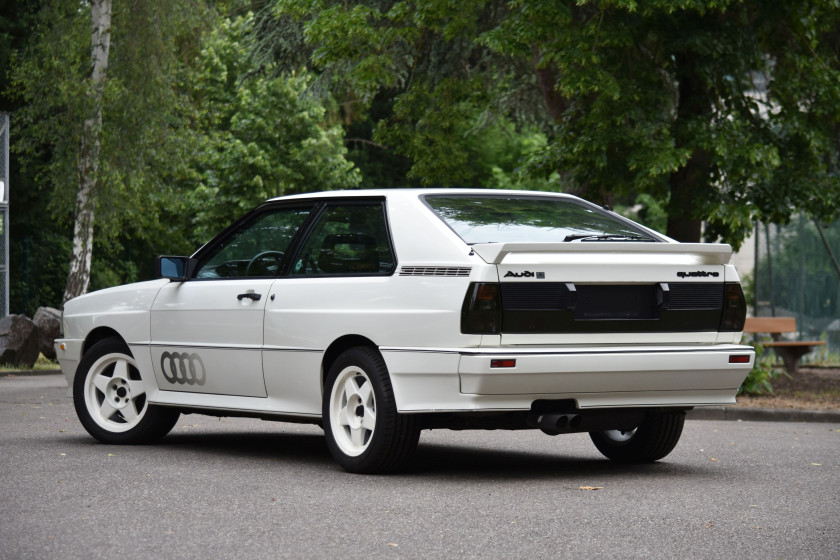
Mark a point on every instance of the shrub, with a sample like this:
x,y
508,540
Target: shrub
x,y
759,381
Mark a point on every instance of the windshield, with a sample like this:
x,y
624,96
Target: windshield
x,y
513,218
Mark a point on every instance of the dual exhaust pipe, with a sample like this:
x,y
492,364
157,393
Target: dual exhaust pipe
x,y
556,423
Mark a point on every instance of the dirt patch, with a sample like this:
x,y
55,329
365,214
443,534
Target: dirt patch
x,y
810,389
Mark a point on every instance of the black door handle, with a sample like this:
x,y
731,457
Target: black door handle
x,y
250,295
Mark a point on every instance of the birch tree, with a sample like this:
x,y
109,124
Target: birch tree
x,y
78,278
103,126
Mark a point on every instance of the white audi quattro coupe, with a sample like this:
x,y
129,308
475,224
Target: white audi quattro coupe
x,y
377,314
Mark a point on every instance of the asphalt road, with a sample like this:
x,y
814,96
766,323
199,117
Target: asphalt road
x,y
240,488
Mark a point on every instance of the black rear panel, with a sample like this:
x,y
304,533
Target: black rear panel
x,y
554,307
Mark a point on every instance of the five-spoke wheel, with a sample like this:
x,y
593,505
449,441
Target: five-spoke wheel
x,y
365,433
114,394
110,397
353,406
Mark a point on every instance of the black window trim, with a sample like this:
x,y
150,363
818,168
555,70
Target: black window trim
x,y
249,217
303,236
316,206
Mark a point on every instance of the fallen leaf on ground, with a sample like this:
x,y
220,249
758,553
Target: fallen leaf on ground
x,y
591,487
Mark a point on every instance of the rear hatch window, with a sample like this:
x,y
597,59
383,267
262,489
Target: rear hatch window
x,y
531,219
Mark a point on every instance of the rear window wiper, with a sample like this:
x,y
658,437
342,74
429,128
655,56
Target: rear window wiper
x,y
607,237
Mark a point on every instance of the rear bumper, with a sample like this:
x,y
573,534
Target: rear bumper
x,y
437,380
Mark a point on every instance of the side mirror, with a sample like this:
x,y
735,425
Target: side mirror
x,y
175,268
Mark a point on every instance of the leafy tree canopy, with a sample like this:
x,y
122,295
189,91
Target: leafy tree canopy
x,y
258,135
726,111
141,135
193,133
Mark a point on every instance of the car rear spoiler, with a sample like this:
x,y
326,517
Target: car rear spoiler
x,y
707,253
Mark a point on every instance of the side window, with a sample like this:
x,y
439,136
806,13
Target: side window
x,y
347,240
257,249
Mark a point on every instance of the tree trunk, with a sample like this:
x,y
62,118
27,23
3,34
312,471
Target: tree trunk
x,y
78,278
690,187
547,83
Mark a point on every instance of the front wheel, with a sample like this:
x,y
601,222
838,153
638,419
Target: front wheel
x,y
365,433
652,440
110,398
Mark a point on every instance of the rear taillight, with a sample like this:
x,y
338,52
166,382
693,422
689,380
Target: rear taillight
x,y
482,309
734,308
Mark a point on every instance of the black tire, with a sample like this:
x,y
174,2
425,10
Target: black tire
x,y
652,440
110,398
365,433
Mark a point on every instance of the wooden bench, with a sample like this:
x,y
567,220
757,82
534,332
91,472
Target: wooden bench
x,y
790,351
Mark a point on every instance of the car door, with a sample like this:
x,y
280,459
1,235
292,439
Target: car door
x,y
207,332
334,287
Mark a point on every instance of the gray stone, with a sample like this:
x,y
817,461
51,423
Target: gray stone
x,y
19,338
48,321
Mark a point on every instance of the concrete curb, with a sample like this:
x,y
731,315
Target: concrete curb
x,y
763,414
28,372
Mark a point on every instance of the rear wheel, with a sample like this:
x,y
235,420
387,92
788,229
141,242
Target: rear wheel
x,y
652,440
110,398
365,433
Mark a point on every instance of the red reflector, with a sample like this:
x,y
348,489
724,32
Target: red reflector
x,y
739,359
502,363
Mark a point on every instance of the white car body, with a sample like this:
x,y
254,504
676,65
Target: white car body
x,y
269,357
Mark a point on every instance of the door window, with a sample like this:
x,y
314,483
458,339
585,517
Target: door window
x,y
347,240
257,249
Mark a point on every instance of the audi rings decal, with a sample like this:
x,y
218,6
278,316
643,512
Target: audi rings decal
x,y
182,368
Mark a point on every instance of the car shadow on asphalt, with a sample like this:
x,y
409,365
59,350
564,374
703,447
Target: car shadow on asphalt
x,y
477,463
310,448
430,460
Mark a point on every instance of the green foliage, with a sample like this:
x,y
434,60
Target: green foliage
x,y
727,110
422,57
39,264
194,133
143,134
456,145
679,111
761,376
646,210
829,359
258,135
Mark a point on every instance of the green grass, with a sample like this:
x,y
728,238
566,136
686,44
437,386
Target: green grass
x,y
41,364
